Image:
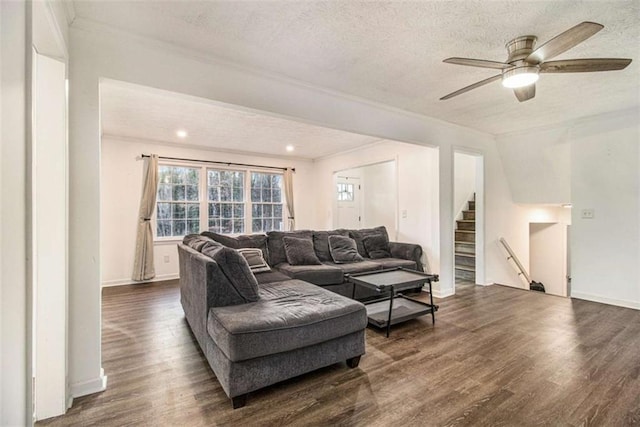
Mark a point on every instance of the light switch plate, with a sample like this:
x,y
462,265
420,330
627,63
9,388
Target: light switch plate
x,y
404,213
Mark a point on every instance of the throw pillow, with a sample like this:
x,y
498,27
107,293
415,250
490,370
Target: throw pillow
x,y
255,259
196,241
344,250
359,235
275,243
240,242
300,251
321,243
377,246
236,269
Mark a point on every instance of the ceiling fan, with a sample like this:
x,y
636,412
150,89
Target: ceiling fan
x,y
521,69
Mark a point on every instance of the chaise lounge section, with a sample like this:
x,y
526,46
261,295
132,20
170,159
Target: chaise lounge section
x,y
254,335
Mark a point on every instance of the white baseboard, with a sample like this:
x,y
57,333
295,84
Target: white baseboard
x,y
443,293
605,300
89,387
123,282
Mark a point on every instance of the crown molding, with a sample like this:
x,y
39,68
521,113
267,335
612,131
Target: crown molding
x,y
69,11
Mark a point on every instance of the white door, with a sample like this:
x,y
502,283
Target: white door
x,y
348,202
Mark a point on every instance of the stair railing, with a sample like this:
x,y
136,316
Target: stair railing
x,y
512,257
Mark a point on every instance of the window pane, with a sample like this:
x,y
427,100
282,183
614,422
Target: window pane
x,y
277,211
193,176
193,227
192,192
265,180
256,210
179,228
178,211
164,228
214,224
238,226
225,194
226,211
267,211
226,226
266,194
238,179
193,211
164,174
164,192
214,210
214,194
278,224
255,180
225,178
268,224
276,181
277,195
256,225
213,178
164,211
256,195
179,192
238,210
238,194
179,175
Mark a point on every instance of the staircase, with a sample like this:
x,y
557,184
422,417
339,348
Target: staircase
x,y
465,244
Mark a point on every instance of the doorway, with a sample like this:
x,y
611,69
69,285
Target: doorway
x,y
468,218
548,256
367,197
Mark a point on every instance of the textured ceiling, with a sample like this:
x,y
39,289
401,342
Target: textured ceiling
x,y
392,52
132,111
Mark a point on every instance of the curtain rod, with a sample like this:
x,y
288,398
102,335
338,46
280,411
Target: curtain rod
x,y
220,163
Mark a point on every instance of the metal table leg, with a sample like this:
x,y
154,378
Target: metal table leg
x,y
392,295
433,311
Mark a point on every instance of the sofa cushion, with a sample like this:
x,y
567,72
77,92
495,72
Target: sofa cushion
x,y
321,242
316,274
300,251
359,235
289,315
356,267
377,246
235,268
271,276
395,262
196,241
275,244
255,259
343,250
240,242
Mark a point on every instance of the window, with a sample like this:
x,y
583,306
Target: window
x,y
178,201
226,201
192,199
345,192
266,202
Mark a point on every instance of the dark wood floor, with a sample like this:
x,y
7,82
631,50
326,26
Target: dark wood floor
x,y
496,356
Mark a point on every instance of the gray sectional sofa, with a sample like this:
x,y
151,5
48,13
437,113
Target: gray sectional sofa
x,y
257,329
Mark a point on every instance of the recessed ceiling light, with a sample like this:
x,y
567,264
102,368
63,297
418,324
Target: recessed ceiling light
x,y
182,133
290,148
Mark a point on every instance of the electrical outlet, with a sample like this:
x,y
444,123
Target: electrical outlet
x,y
166,259
404,213
587,214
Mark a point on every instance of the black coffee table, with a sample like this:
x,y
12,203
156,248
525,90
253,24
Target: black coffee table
x,y
384,312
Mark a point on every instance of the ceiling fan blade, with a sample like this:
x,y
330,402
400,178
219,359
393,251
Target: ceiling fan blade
x,y
482,63
584,65
473,86
525,93
563,42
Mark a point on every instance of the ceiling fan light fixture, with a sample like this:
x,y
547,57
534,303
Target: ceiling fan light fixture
x,y
520,76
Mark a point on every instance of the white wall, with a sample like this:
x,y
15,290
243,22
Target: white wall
x,y
14,404
380,196
605,177
537,164
121,187
464,184
417,190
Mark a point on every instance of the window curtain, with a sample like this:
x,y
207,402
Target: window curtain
x,y
288,194
143,268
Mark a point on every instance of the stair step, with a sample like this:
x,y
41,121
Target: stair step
x,y
465,261
466,224
466,254
469,215
465,275
465,248
465,236
472,205
466,268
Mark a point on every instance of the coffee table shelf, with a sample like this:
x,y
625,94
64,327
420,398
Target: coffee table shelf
x,y
393,308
